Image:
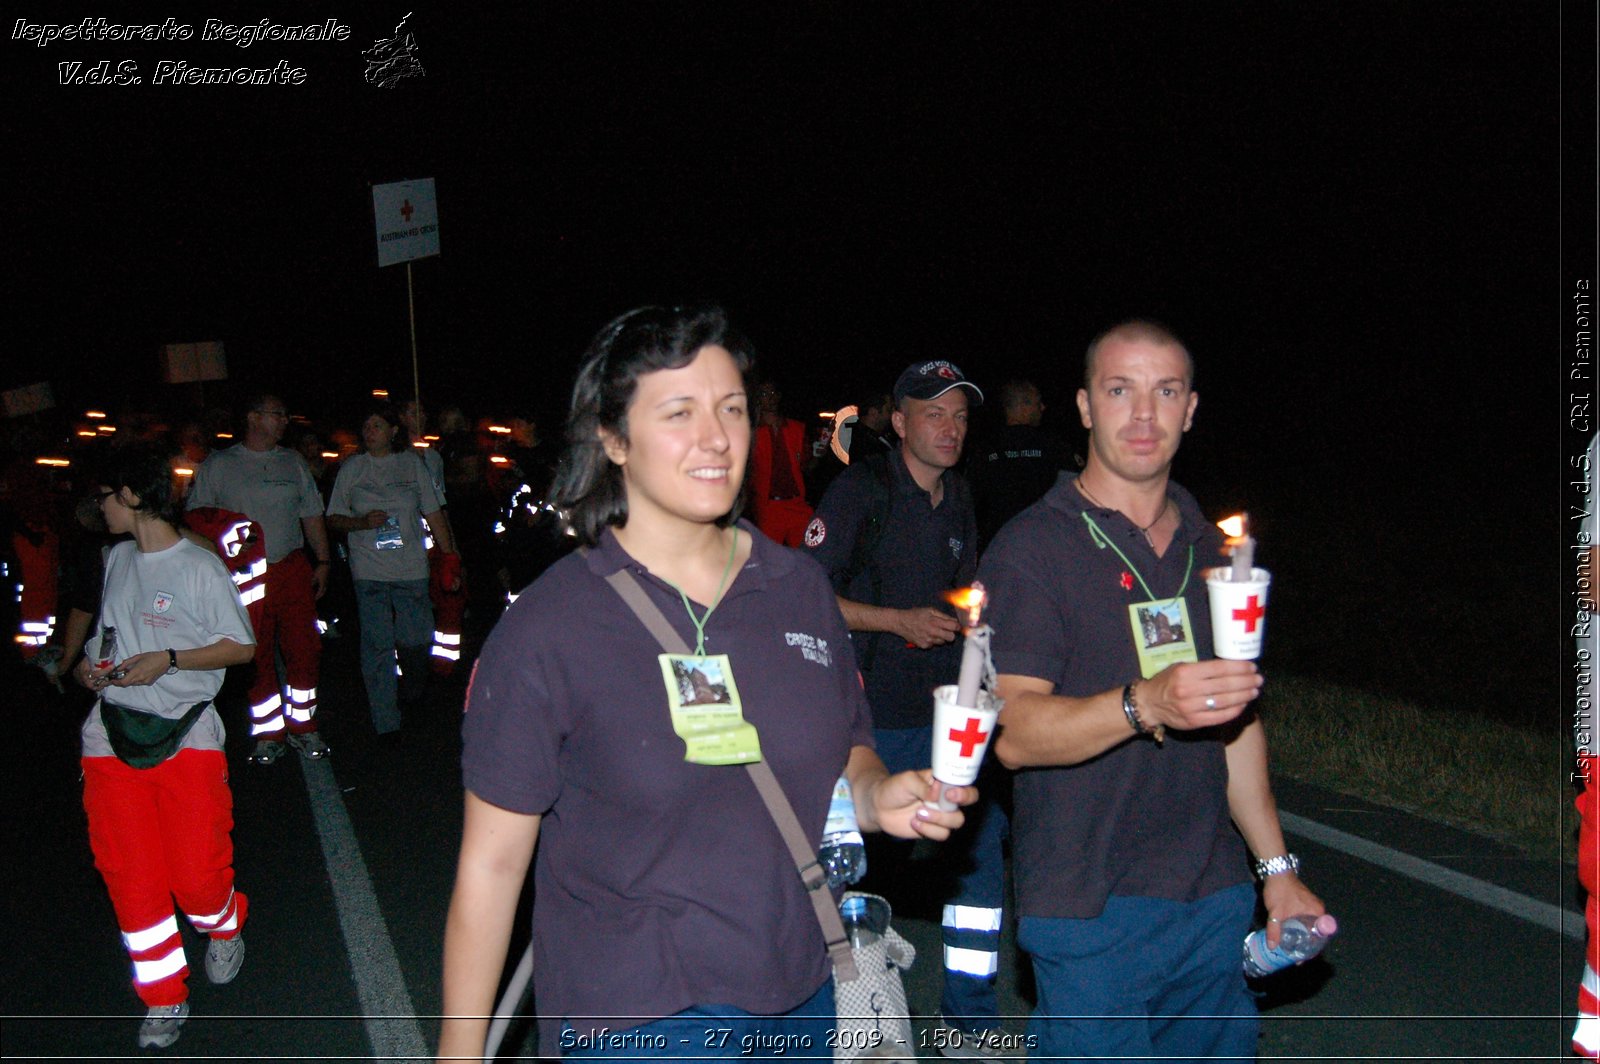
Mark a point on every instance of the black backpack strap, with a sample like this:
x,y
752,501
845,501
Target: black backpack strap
x,y
863,558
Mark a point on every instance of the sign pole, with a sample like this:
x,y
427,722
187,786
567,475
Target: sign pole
x,y
416,378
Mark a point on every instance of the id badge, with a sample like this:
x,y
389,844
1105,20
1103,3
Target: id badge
x,y
389,537
706,712
1161,634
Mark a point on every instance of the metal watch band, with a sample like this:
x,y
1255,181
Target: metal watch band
x,y
1276,866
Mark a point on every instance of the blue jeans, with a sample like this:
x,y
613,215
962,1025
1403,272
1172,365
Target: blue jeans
x,y
1147,978
716,1032
395,615
975,855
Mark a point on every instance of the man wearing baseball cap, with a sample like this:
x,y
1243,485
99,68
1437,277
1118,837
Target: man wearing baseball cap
x,y
896,532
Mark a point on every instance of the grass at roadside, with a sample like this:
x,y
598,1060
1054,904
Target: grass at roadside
x,y
1459,767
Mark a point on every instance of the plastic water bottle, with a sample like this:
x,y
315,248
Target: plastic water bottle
x,y
853,911
865,918
1303,938
843,855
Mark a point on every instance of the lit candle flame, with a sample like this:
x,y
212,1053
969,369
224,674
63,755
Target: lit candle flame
x,y
1234,526
970,600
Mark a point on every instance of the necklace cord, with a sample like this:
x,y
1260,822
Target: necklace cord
x,y
700,622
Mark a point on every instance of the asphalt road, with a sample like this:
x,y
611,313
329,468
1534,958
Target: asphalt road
x,y
344,957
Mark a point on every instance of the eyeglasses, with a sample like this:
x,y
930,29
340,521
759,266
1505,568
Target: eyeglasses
x,y
102,496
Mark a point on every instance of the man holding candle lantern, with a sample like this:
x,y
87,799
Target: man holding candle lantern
x,y
897,533
1132,883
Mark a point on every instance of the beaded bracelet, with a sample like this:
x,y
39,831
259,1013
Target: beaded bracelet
x,y
1130,709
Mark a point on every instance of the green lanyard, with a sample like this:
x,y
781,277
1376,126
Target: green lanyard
x,y
1101,540
700,622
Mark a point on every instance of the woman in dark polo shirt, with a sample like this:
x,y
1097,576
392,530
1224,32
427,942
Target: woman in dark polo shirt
x,y
668,917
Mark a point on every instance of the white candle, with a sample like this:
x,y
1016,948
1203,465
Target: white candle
x,y
1244,555
973,655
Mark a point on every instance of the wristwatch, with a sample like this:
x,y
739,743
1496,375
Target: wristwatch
x,y
172,661
1277,866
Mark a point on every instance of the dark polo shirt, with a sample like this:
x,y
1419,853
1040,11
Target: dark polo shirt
x,y
1010,471
1139,820
660,884
923,552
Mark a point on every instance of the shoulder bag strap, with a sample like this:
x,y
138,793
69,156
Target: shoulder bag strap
x,y
782,813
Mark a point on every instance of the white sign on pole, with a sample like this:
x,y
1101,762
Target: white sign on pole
x,y
183,363
407,216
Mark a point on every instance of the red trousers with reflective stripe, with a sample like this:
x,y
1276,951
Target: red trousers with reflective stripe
x,y
1586,1039
159,834
287,620
449,608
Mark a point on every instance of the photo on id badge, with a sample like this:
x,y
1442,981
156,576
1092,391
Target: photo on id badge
x,y
700,681
1161,634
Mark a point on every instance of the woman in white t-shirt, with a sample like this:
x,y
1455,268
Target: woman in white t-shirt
x,y
380,499
155,781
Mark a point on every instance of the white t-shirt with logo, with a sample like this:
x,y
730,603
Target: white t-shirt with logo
x,y
179,598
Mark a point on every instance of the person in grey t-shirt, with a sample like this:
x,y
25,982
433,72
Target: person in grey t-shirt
x,y
379,500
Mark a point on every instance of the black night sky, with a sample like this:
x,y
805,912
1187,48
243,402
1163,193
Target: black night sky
x,y
1351,210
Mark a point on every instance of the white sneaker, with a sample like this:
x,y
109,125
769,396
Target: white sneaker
x,y
224,958
161,1024
310,745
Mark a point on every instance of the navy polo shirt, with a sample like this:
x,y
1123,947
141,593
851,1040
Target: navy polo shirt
x,y
923,552
1139,820
660,884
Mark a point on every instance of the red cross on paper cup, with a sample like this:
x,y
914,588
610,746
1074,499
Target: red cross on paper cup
x,y
960,736
1238,613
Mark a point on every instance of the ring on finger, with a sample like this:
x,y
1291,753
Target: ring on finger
x,y
1211,703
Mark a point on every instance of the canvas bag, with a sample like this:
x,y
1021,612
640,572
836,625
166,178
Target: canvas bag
x,y
869,995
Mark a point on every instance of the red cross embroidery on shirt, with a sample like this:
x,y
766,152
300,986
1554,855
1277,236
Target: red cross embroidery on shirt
x,y
1126,581
1251,613
970,737
407,210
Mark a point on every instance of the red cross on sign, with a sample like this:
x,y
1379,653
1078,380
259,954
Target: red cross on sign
x,y
970,737
1251,613
407,210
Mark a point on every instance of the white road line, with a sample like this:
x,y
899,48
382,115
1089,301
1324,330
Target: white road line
x,y
391,1019
1554,917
